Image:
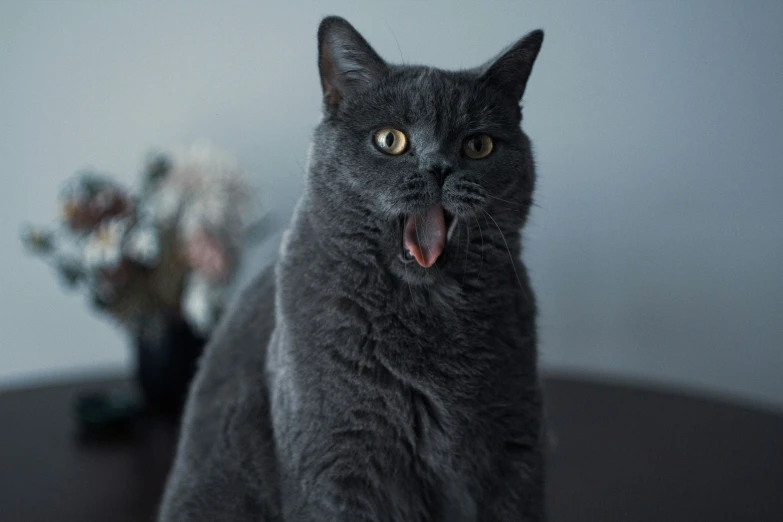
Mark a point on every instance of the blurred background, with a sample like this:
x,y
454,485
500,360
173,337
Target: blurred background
x,y
656,246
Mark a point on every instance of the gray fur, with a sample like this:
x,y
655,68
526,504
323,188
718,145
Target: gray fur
x,y
372,389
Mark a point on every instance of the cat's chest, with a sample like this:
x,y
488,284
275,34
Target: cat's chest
x,y
420,334
409,382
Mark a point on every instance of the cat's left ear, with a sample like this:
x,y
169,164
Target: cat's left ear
x,y
345,60
509,71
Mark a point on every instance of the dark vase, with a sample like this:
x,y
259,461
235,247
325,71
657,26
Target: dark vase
x,y
166,359
167,352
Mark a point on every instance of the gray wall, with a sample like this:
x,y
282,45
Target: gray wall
x,y
656,246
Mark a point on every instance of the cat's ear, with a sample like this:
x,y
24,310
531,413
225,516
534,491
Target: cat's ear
x,y
345,60
509,71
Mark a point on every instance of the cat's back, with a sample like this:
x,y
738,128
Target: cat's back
x,y
224,468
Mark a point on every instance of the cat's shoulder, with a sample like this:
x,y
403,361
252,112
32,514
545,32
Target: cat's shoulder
x,y
225,445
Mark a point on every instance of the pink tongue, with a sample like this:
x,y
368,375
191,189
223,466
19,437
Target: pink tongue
x,y
425,235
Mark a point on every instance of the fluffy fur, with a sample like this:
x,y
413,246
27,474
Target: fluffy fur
x,y
350,384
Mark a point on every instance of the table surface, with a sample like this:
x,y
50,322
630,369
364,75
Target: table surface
x,y
619,453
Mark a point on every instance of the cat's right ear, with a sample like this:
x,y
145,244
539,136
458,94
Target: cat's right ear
x,y
510,71
346,61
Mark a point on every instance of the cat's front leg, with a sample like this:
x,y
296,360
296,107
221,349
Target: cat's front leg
x,y
349,501
359,487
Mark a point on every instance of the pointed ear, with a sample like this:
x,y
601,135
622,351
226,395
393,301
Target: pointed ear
x,y
345,60
509,71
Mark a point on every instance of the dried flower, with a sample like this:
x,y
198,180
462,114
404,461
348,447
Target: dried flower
x,y
174,246
104,246
37,240
142,245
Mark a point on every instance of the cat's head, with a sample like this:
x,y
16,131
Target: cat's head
x,y
407,158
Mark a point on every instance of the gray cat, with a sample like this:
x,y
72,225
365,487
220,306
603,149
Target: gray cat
x,y
385,369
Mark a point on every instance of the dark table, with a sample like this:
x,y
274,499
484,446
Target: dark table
x,y
619,453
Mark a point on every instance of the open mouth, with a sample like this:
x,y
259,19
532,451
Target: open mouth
x,y
424,236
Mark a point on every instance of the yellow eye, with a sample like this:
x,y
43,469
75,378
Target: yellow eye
x,y
391,141
477,146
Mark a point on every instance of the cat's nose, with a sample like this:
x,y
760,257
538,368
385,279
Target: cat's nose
x,y
440,169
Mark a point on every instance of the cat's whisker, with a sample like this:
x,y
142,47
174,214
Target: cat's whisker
x,y
511,258
467,249
439,274
505,200
406,264
481,264
402,58
437,269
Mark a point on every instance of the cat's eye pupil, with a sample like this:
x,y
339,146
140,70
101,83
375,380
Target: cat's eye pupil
x,y
390,141
477,146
